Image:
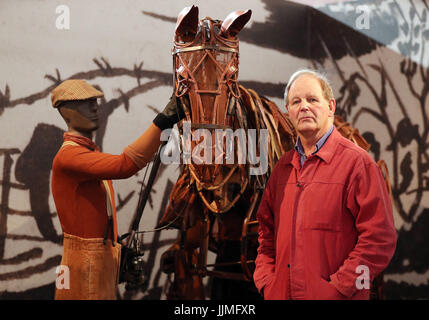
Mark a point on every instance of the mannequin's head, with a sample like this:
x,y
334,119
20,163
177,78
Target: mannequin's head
x,y
81,116
76,100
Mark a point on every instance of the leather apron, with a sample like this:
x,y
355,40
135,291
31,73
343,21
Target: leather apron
x,y
93,263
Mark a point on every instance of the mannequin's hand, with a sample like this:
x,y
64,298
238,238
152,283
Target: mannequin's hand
x,y
172,113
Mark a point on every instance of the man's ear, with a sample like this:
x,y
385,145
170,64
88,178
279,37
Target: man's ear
x,y
332,106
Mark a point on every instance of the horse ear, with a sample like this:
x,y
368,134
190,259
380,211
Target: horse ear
x,y
234,22
187,23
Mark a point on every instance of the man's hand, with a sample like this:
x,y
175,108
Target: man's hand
x,y
172,113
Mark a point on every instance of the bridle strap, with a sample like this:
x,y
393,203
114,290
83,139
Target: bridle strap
x,y
203,47
209,126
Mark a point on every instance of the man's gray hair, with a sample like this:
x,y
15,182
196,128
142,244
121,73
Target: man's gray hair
x,y
324,83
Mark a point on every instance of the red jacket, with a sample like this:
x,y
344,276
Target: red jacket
x,y
79,195
318,223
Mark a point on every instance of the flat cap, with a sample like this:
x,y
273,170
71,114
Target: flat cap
x,y
73,90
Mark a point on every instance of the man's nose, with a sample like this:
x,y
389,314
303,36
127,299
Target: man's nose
x,y
304,106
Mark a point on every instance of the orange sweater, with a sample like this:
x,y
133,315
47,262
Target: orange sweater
x,y
78,191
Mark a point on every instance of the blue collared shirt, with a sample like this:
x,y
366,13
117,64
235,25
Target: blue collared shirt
x,y
300,149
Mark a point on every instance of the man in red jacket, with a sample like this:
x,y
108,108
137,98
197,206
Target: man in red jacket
x,y
325,221
83,190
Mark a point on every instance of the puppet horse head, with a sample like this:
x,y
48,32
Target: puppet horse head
x,y
205,59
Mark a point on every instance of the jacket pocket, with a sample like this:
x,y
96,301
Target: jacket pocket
x,y
326,226
327,291
267,289
321,207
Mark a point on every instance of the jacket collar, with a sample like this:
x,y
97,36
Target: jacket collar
x,y
81,140
326,153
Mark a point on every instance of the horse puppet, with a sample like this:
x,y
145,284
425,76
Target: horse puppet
x,y
232,138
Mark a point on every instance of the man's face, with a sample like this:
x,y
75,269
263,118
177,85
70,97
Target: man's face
x,y
308,109
81,115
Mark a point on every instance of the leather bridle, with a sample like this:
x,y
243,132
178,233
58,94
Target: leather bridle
x,y
226,96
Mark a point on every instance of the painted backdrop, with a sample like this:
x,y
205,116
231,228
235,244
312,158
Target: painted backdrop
x,y
374,52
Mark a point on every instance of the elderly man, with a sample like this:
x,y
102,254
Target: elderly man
x,y
83,190
325,219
